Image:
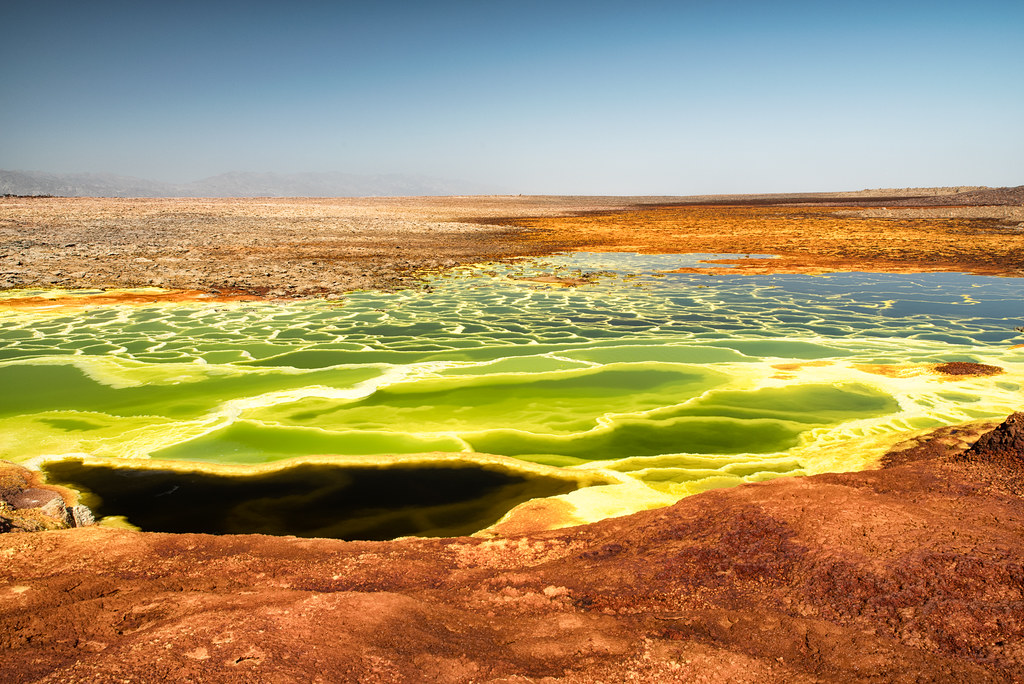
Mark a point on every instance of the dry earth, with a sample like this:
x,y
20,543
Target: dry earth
x,y
912,572
810,237
280,247
325,247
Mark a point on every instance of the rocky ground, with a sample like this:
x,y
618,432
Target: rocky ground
x,y
913,572
326,247
28,504
970,197
276,247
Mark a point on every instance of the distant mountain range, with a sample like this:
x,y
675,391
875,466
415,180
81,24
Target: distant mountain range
x,y
234,184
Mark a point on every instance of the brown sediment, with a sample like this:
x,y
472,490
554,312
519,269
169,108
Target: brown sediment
x,y
958,368
802,364
896,370
805,239
945,371
909,572
555,280
788,369
893,370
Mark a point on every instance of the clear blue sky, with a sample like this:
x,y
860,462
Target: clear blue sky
x,y
527,97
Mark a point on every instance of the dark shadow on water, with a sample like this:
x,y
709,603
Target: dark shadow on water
x,y
309,500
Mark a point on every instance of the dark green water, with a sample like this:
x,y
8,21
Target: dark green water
x,y
309,500
675,382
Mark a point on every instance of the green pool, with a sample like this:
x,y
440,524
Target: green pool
x,y
661,384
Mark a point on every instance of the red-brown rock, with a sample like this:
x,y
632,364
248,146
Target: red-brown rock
x,y
956,368
914,572
28,505
1003,445
33,497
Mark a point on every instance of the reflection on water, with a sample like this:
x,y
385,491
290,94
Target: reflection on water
x,y
681,381
309,500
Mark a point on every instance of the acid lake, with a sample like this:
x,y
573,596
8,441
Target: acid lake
x,y
434,412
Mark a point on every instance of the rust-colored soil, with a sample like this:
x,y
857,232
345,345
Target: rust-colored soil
x,y
958,368
914,572
807,239
954,370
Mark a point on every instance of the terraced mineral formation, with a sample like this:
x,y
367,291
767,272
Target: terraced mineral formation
x,y
639,384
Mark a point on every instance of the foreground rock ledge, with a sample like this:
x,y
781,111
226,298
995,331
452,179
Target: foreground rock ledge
x,y
914,572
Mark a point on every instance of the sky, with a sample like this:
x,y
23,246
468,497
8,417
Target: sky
x,y
573,97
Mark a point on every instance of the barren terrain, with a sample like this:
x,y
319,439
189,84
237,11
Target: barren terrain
x,y
325,247
808,237
905,574
277,247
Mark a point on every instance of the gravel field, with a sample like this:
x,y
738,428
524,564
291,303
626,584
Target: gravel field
x,y
295,247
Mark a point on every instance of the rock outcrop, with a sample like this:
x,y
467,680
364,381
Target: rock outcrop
x,y
998,456
958,368
27,505
1003,445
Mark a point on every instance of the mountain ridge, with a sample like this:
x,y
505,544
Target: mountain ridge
x,y
235,184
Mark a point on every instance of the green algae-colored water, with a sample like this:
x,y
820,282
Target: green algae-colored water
x,y
667,384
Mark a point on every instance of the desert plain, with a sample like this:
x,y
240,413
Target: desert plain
x,y
910,570
289,247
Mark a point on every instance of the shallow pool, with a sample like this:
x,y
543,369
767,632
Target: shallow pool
x,y
668,384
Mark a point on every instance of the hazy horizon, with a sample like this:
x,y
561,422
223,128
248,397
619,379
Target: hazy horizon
x,y
646,98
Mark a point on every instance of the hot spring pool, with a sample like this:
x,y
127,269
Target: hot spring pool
x,y
637,388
